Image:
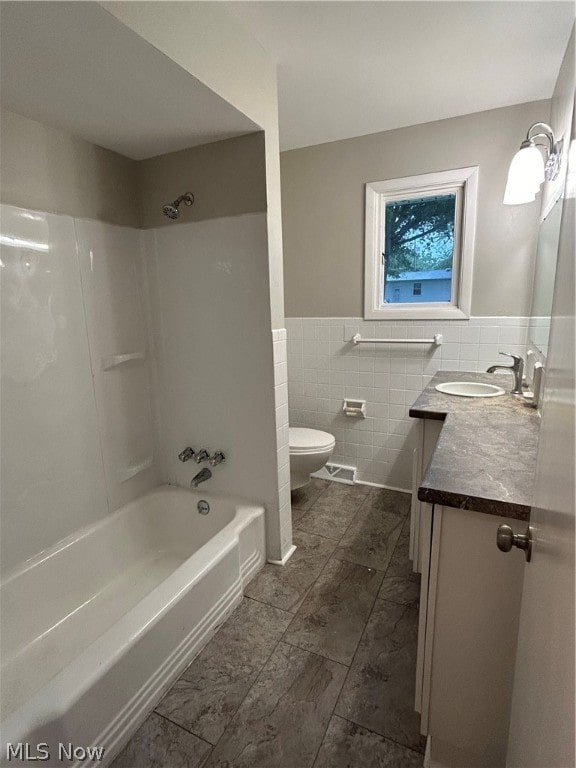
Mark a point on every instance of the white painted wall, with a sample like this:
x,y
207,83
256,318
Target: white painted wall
x,y
71,295
216,386
324,367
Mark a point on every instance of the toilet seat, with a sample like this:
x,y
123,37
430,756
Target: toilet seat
x,y
302,440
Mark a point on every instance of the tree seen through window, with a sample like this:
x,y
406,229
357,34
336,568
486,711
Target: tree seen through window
x,y
419,246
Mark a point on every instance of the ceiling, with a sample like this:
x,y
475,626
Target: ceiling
x,y
76,67
352,68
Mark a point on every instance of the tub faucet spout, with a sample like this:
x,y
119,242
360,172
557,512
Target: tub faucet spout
x,y
201,477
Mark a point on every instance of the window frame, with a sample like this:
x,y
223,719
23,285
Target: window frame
x,y
463,181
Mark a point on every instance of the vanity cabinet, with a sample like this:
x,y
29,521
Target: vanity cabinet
x,y
469,616
473,466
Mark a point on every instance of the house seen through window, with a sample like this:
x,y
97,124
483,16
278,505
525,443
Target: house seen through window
x,y
418,254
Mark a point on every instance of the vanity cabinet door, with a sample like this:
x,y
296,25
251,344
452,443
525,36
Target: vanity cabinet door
x,y
473,606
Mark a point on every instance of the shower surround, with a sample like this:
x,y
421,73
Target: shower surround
x,y
121,347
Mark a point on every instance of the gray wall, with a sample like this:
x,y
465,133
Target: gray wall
x,y
227,178
323,209
46,169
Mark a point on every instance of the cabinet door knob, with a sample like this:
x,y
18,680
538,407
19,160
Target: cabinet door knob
x,y
506,539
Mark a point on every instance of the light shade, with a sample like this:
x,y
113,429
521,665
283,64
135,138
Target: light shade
x,y
525,176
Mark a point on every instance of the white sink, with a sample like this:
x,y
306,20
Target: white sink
x,y
470,389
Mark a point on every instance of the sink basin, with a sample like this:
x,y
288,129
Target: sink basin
x,y
470,389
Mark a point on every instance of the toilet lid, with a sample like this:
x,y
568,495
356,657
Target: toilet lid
x,y
304,440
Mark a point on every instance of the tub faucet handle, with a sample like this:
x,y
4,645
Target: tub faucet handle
x,y
186,454
216,459
201,456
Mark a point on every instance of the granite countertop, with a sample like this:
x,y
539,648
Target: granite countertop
x,y
485,459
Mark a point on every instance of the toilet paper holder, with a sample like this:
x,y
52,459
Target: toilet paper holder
x,y
355,408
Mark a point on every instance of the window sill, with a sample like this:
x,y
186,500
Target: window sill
x,y
416,313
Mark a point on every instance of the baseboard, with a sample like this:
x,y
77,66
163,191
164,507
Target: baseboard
x,y
383,485
324,474
286,557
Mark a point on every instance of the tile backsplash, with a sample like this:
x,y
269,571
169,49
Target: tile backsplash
x,y
324,367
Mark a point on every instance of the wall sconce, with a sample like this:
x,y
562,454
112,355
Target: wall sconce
x,y
528,170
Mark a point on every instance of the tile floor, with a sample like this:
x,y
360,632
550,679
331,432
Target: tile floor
x,y
316,666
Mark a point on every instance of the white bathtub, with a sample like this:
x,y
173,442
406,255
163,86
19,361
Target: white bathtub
x,y
96,629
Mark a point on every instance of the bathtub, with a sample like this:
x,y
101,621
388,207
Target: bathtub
x,y
96,629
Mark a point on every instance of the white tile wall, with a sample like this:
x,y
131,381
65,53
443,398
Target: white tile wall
x,y
324,367
284,517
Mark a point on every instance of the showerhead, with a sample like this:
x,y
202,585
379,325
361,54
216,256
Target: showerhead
x,y
172,209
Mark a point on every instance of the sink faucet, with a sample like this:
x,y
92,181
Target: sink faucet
x,y
517,369
201,477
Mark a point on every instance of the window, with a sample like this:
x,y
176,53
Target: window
x,y
419,245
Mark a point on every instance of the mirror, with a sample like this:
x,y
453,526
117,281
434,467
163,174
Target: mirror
x,y
544,274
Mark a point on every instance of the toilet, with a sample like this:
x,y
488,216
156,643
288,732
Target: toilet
x,y
310,449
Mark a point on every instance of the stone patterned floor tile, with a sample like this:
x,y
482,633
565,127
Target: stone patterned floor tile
x,y
331,514
212,688
329,519
282,721
159,743
396,502
333,616
272,711
371,538
401,567
286,586
347,745
399,589
400,563
303,498
379,690
297,515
